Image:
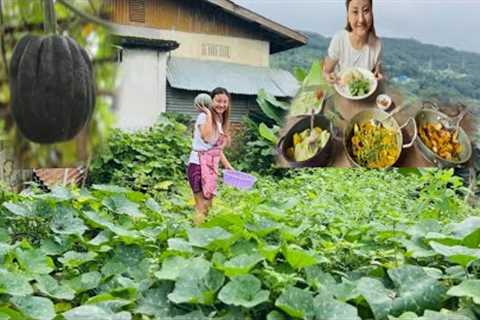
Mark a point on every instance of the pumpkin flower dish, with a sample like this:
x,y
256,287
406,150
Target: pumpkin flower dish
x,y
374,146
307,144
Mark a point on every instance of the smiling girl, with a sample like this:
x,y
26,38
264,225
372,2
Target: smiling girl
x,y
209,139
357,45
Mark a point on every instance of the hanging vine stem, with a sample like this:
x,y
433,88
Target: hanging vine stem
x,y
2,39
50,20
85,16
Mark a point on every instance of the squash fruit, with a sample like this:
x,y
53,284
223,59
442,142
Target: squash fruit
x,y
52,86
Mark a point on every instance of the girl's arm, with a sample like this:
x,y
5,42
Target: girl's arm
x,y
207,131
328,70
378,72
225,162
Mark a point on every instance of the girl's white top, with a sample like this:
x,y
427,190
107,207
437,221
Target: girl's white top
x,y
341,50
198,143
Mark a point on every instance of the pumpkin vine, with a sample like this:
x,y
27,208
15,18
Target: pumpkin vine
x,y
50,24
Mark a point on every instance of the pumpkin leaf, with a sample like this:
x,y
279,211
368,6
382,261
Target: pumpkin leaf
x,y
84,282
35,307
299,258
296,302
240,264
244,291
417,291
73,259
468,288
14,284
197,283
50,287
34,261
204,237
171,268
92,312
456,254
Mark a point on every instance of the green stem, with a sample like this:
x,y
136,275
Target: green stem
x,y
50,20
86,16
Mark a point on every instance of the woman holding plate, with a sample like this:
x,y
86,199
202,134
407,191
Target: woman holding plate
x,y
357,45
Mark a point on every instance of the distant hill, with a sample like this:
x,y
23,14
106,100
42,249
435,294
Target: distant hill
x,y
425,70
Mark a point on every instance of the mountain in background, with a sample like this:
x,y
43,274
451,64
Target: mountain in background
x,y
425,70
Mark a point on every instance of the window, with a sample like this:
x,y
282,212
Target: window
x,y
215,50
136,10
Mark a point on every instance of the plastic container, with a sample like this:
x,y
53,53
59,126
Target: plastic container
x,y
238,179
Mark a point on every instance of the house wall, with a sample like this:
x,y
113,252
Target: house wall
x,y
203,31
207,47
141,95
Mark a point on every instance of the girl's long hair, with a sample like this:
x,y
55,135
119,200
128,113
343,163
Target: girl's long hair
x,y
372,28
226,115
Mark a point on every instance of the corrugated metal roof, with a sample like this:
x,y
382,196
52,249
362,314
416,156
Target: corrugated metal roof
x,y
50,177
204,75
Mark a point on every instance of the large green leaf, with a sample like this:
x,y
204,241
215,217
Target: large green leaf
x,y
154,301
267,133
179,244
34,261
299,258
127,235
377,296
128,259
468,288
456,254
19,209
110,188
318,279
35,307
197,283
244,291
203,237
272,111
10,314
120,204
171,268
468,231
296,302
91,312
64,222
241,264
14,284
432,315
50,287
327,308
417,291
73,259
84,282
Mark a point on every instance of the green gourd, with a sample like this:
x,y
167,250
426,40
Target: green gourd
x,y
52,87
203,99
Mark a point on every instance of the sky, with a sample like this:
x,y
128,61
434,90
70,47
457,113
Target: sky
x,y
452,23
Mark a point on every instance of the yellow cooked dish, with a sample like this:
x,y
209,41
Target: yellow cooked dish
x,y
374,146
441,141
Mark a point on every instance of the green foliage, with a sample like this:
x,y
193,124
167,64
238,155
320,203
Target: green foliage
x,y
253,152
150,160
320,244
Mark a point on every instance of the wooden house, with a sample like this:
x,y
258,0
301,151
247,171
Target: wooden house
x,y
174,49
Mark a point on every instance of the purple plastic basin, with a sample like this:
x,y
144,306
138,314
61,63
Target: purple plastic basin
x,y
238,179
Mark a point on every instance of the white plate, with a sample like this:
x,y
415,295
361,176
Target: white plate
x,y
343,90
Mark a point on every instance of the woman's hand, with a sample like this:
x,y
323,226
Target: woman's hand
x,y
378,75
202,108
331,78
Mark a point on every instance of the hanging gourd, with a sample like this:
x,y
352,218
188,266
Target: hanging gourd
x,y
52,85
